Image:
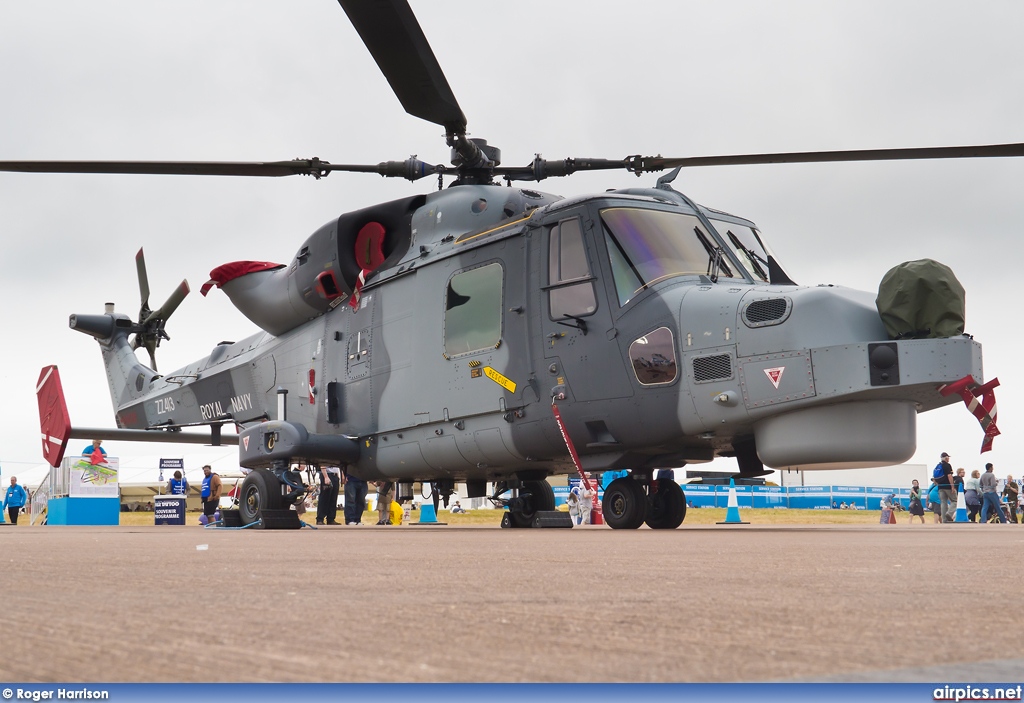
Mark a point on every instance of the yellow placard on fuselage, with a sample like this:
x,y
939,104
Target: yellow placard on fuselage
x,y
505,383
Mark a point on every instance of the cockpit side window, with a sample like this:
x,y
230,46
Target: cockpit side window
x,y
571,287
647,246
654,357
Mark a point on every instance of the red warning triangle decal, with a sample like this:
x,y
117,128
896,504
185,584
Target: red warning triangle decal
x,y
775,375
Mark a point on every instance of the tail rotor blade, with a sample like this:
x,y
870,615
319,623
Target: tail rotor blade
x,y
172,303
151,348
140,267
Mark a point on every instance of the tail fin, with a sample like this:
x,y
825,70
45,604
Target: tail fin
x,y
54,422
127,377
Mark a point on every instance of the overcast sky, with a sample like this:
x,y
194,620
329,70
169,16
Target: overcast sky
x,y
253,80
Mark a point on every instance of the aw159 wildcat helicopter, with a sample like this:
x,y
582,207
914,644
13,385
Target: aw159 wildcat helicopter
x,y
427,338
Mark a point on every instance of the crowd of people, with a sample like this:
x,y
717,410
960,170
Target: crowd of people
x,y
986,497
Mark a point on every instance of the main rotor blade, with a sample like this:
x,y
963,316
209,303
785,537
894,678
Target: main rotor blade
x,y
397,43
412,168
307,167
544,168
657,163
140,267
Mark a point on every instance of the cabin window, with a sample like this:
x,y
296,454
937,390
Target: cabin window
x,y
647,246
472,311
654,357
571,287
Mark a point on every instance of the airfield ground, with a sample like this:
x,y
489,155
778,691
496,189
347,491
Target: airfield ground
x,y
454,603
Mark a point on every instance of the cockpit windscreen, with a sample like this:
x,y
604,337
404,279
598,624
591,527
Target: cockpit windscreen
x,y
646,246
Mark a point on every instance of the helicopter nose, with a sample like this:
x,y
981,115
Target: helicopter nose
x,y
807,318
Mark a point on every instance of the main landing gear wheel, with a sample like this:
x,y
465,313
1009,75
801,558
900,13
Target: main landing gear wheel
x,y
624,505
261,490
534,496
666,506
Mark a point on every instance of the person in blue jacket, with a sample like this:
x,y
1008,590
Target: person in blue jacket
x,y
15,500
177,486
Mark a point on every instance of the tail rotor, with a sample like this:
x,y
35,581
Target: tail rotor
x,y
149,330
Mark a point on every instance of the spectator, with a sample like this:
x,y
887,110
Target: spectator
x,y
1011,492
14,500
886,505
972,495
943,475
95,446
916,509
586,503
457,508
989,496
355,498
210,494
958,483
327,505
573,501
385,492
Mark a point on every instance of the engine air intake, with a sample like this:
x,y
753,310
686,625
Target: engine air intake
x,y
768,311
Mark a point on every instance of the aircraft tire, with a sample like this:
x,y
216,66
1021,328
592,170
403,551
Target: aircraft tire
x,y
541,497
667,507
260,490
624,506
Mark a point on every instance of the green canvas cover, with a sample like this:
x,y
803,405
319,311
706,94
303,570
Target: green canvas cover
x,y
921,299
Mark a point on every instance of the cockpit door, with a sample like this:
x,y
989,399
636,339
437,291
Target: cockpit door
x,y
580,339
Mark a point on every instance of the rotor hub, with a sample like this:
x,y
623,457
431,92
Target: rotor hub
x,y
492,153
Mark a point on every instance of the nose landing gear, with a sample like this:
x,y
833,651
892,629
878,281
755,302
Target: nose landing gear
x,y
533,497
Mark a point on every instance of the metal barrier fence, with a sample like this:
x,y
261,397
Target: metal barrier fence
x,y
40,501
59,479
791,497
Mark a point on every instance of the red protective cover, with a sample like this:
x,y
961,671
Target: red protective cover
x,y
369,249
236,269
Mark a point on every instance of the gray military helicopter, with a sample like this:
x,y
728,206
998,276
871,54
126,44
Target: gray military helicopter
x,y
432,338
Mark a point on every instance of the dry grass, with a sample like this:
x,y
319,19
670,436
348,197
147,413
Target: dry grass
x,y
694,516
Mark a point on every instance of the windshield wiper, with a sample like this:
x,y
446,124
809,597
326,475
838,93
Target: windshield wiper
x,y
754,258
716,257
